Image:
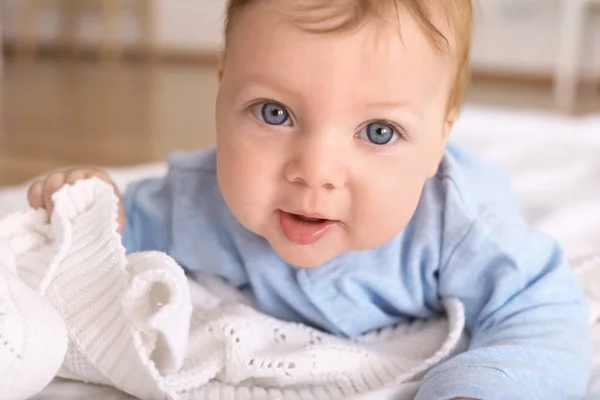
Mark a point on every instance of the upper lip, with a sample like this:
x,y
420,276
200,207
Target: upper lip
x,y
308,214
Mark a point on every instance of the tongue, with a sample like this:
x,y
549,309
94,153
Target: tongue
x,y
301,230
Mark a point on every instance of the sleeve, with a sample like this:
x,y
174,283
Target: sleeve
x,y
526,315
148,214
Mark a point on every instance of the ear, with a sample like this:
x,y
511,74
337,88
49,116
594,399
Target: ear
x,y
446,129
449,124
221,65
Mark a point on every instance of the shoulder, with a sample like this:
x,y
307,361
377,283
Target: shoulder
x,y
190,175
466,195
198,161
193,175
466,188
475,187
483,222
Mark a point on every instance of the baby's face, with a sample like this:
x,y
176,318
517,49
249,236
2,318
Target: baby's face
x,y
324,141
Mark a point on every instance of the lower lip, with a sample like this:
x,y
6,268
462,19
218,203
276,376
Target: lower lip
x,y
303,232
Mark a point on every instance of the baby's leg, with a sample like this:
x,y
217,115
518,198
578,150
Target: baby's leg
x,y
33,338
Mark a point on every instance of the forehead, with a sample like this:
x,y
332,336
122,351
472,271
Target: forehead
x,y
388,57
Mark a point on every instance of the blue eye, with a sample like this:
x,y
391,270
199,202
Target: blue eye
x,y
271,113
379,133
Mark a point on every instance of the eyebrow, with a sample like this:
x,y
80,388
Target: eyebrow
x,y
257,81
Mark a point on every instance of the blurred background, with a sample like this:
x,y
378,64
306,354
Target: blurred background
x,y
124,82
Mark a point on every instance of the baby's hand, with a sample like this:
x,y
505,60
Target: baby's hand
x,y
40,193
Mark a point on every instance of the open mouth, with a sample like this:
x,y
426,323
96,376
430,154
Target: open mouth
x,y
299,217
303,229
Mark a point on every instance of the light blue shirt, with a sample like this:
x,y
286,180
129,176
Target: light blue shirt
x,y
525,311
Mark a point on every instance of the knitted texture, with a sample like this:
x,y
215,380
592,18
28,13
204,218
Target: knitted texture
x,y
136,323
33,339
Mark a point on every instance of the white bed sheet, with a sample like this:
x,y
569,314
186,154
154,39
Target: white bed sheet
x,y
554,163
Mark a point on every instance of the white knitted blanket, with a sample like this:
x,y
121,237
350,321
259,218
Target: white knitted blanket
x,y
138,324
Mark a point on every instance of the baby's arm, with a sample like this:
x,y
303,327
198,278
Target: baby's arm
x,y
527,317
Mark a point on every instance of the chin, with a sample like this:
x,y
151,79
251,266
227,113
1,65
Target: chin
x,y
304,256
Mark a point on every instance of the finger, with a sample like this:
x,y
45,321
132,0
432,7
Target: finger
x,y
53,183
121,218
75,175
35,195
98,173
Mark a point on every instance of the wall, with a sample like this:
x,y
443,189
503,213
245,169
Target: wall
x,y
190,24
181,25
523,35
511,35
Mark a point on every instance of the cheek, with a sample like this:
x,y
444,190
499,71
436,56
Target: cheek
x,y
235,153
239,165
246,171
245,158
241,186
385,203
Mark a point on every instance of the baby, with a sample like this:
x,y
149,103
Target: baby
x,y
332,197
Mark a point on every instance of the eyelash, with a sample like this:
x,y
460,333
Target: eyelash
x,y
396,127
249,106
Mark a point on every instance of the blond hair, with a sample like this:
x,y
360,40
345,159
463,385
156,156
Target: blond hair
x,y
349,14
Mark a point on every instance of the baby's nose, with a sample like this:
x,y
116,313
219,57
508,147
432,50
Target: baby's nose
x,y
318,163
